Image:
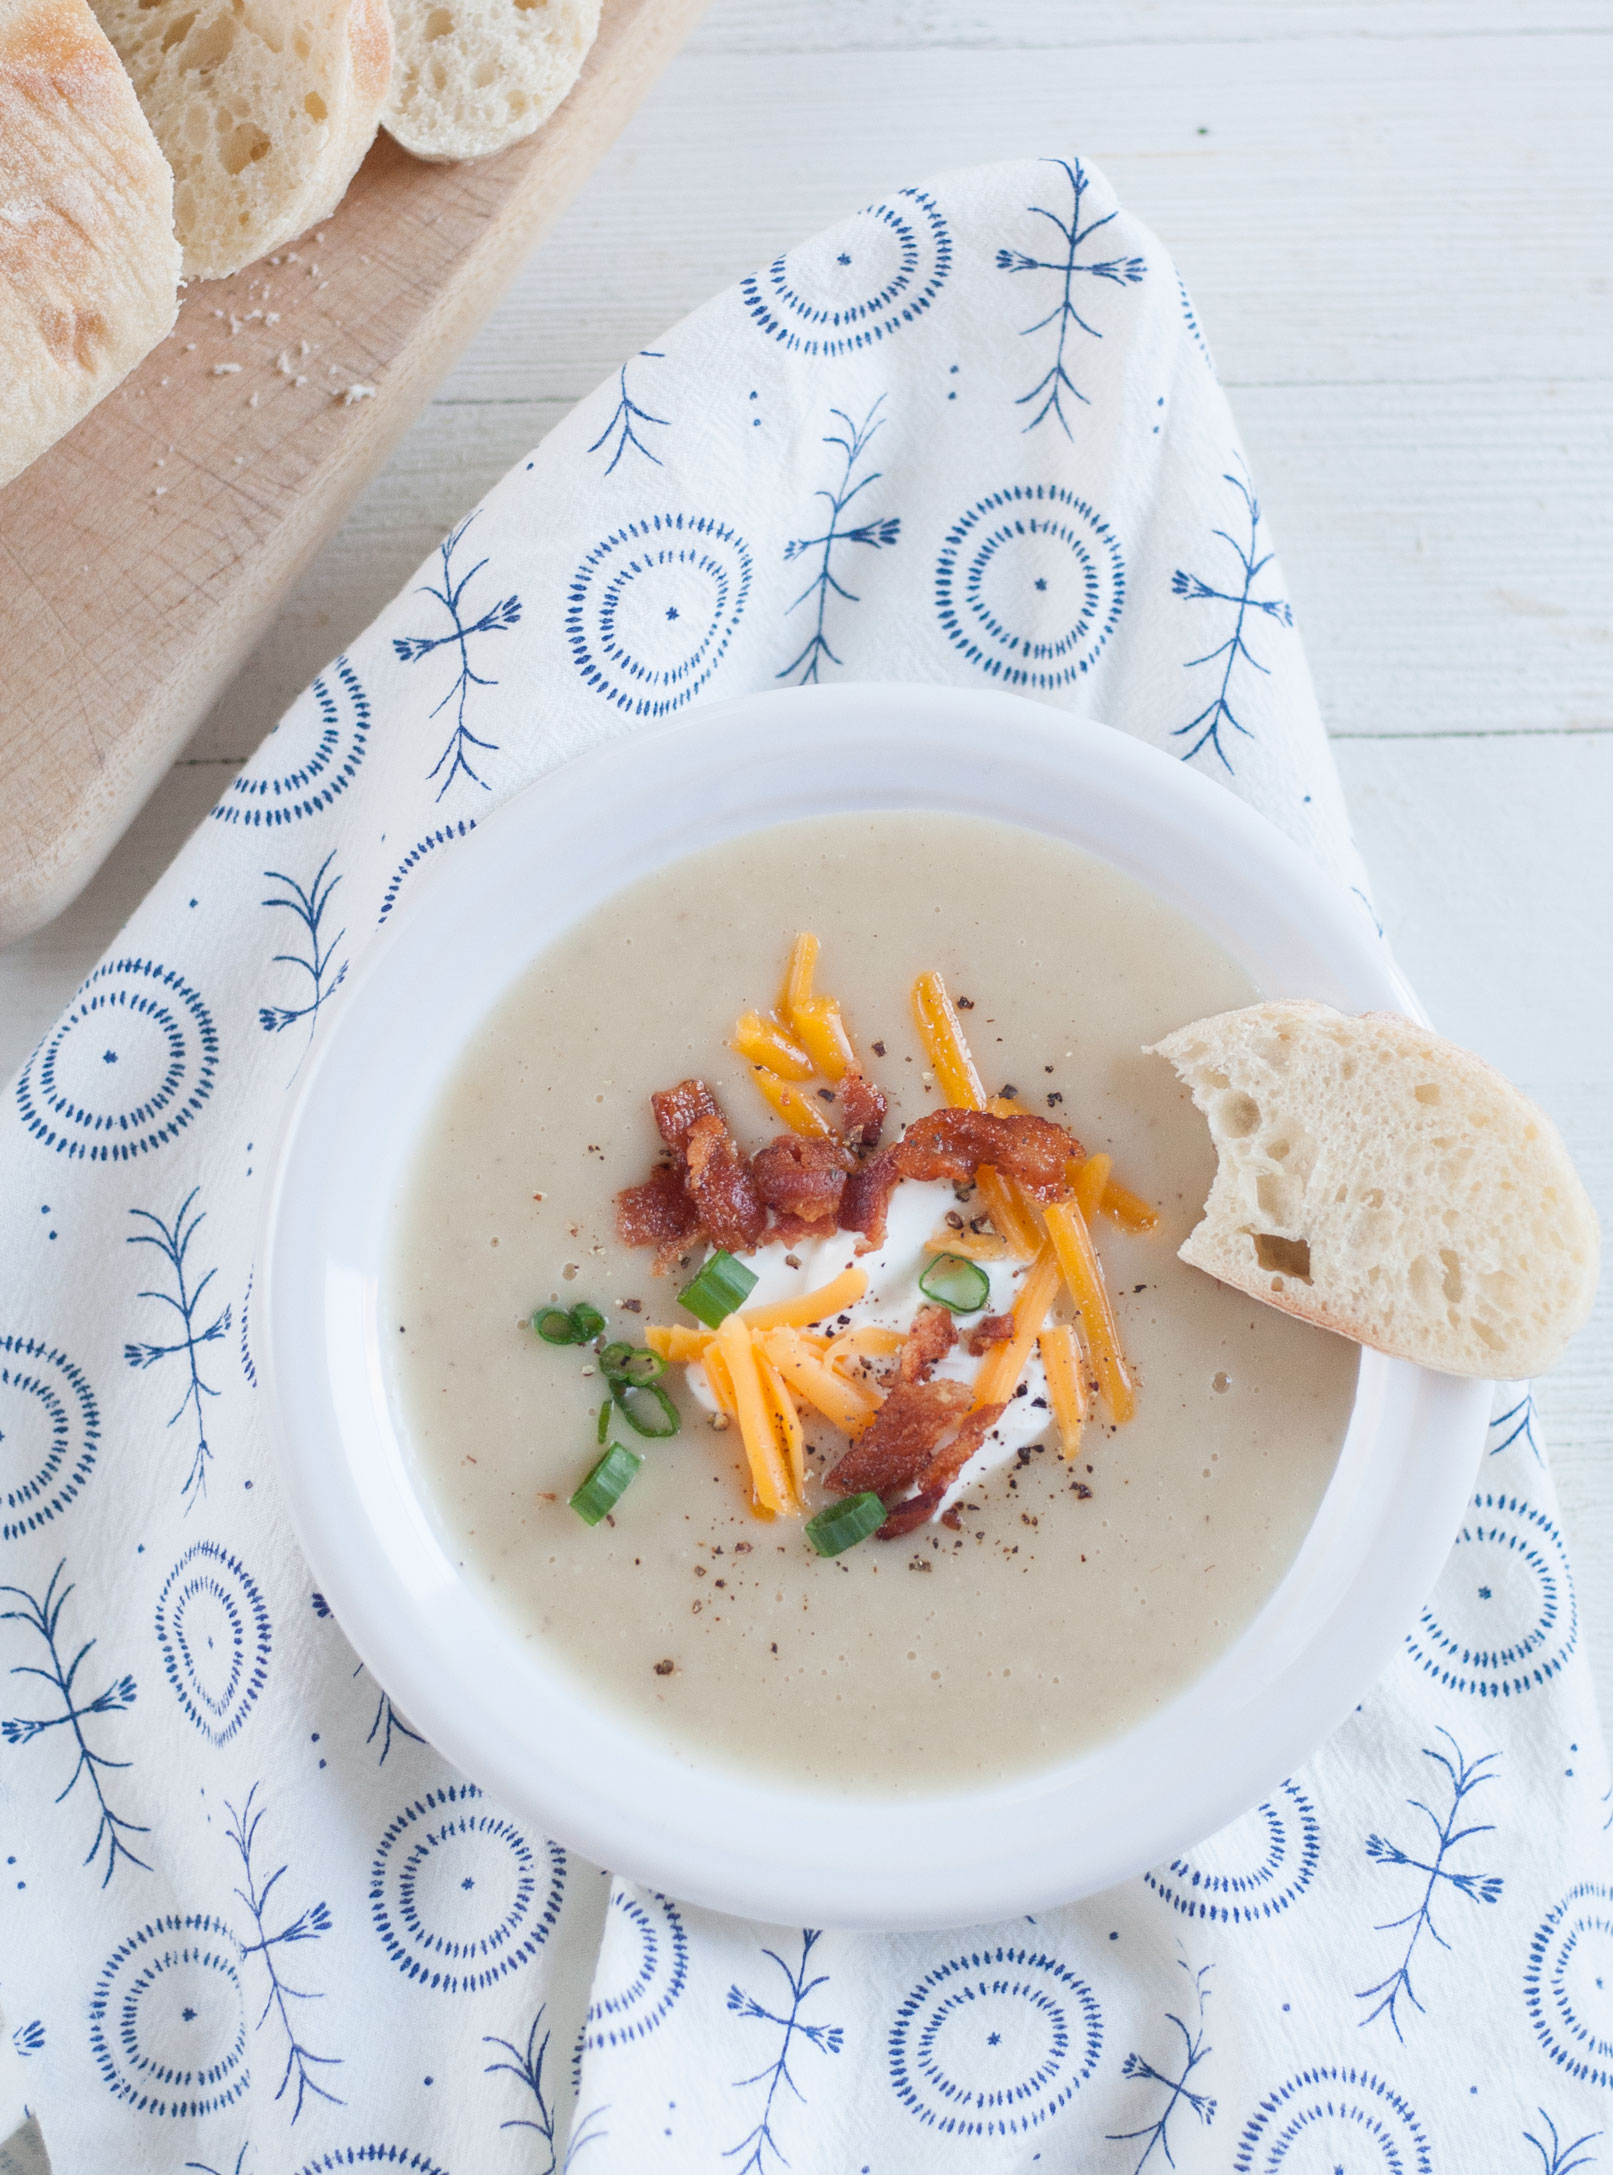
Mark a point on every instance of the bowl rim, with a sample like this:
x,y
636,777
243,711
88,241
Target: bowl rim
x,y
512,1719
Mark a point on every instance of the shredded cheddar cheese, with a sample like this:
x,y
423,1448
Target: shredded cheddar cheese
x,y
677,1344
869,1342
1003,1365
834,1297
786,1422
941,1032
763,1041
1125,1208
758,1427
1082,1272
1091,1177
801,1112
847,1405
1066,1383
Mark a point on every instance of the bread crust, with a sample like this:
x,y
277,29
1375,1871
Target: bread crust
x,y
264,108
474,76
1435,1209
89,266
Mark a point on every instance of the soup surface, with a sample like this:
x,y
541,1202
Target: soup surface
x,y
1073,1599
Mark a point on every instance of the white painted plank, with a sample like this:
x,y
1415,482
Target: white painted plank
x,y
1343,209
853,26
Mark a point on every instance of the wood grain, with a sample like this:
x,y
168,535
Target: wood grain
x,y
142,556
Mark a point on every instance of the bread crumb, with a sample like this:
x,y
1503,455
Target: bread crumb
x,y
354,394
226,370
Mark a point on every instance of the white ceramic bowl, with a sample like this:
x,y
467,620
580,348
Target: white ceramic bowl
x,y
492,1702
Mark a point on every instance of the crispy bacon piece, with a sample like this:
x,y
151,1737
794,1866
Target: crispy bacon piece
x,y
863,1107
931,1337
722,1184
938,1475
896,1446
989,1330
659,1213
676,1110
802,1181
953,1144
867,1197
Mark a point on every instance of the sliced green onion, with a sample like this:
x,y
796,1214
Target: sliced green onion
x,y
587,1320
555,1326
956,1283
606,1484
722,1285
840,1526
635,1400
603,1428
630,1363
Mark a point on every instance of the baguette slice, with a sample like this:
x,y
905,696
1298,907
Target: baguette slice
x,y
263,107
88,261
473,76
1380,1182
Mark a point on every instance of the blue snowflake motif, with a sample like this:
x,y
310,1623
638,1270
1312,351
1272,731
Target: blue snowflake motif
x,y
621,430
1437,1876
456,759
759,2143
173,1243
1252,563
1557,2156
44,1618
308,1925
308,907
1178,2093
1067,266
877,535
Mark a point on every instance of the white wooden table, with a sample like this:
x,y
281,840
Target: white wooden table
x,y
1395,219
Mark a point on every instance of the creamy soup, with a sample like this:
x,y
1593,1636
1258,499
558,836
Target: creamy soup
x,y
1072,1598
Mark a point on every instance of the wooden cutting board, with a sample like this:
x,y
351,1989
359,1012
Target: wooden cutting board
x,y
143,555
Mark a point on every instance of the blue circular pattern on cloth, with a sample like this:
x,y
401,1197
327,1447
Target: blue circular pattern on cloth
x,y
858,283
1327,2119
459,1894
167,2029
1568,1983
340,720
994,2043
418,853
1503,1618
653,608
214,1632
1253,1869
340,2156
636,2004
1030,584
126,1070
50,1431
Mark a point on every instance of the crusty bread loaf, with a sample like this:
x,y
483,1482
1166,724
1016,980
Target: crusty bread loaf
x,y
475,75
264,109
88,261
1383,1183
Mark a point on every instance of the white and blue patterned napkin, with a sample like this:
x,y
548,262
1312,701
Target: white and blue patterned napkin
x,y
254,1925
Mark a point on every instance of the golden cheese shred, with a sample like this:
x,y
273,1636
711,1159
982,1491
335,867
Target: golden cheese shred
x,y
1078,1261
1003,1365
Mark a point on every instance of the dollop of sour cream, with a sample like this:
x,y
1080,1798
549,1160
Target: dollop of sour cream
x,y
913,1238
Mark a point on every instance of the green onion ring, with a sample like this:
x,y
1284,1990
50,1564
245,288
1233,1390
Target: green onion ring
x,y
721,1285
954,1282
606,1484
840,1526
555,1326
628,1395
